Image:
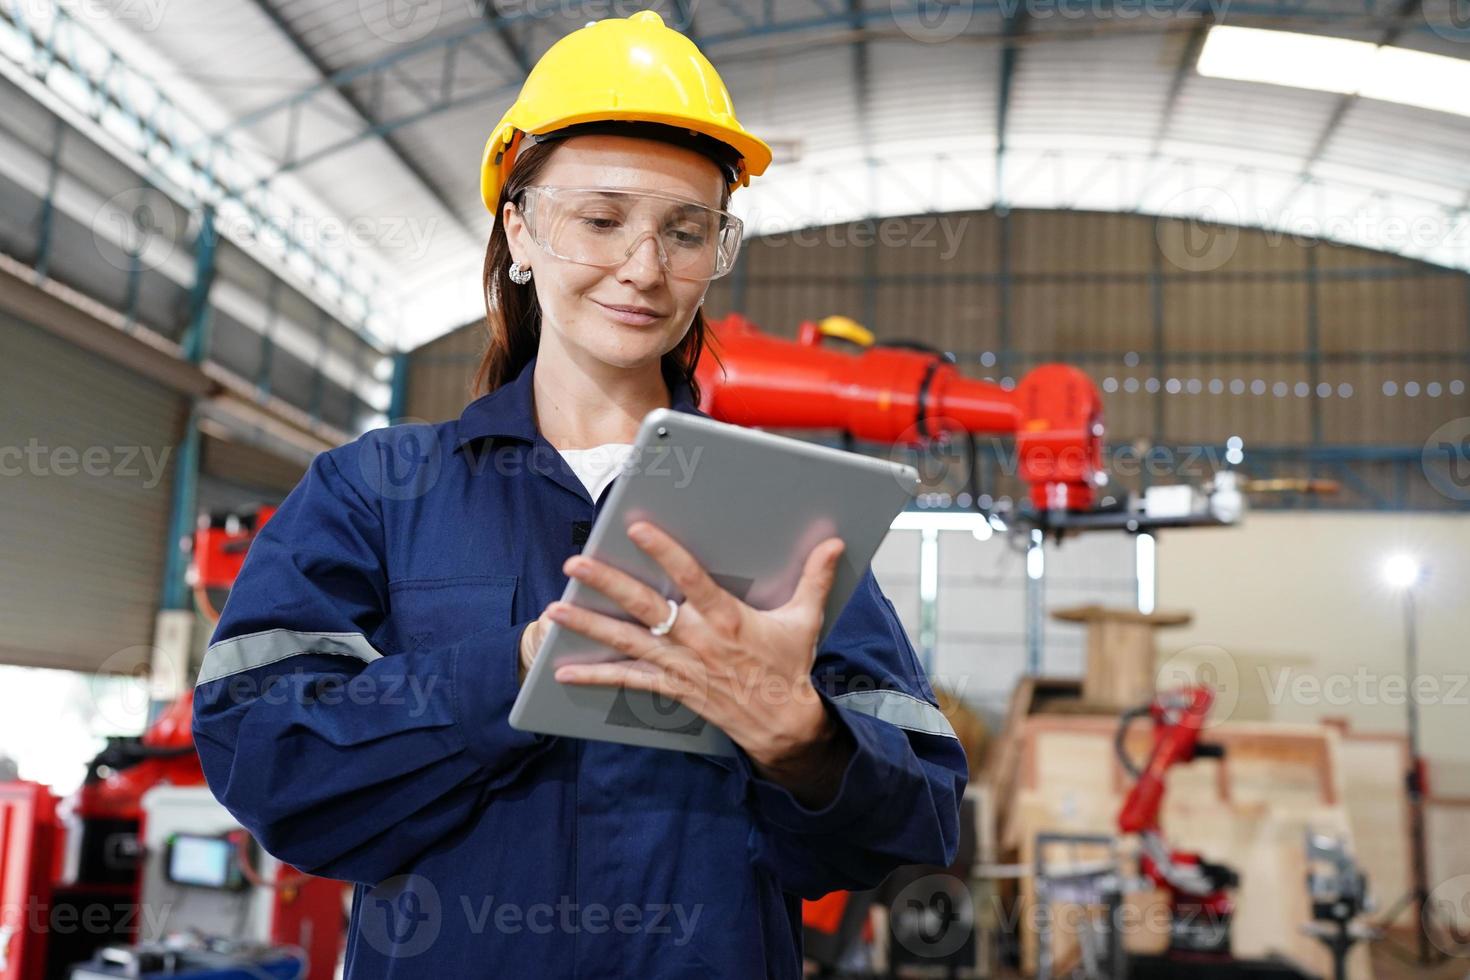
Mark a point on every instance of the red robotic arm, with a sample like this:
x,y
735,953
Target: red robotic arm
x,y
899,395
1178,718
1199,896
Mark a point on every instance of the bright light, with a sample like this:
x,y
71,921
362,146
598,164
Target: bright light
x,y
1146,571
1331,64
1401,571
913,520
1327,64
929,564
1429,81
975,523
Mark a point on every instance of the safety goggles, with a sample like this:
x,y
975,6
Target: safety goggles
x,y
603,226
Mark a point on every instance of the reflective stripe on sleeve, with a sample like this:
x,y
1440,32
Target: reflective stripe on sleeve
x,y
253,650
897,708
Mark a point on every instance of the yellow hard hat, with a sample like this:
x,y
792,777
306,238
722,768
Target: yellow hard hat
x,y
622,70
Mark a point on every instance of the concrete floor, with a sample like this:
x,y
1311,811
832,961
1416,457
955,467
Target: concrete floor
x,y
1390,962
1396,963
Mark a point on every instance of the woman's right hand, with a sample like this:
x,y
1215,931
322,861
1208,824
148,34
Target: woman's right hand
x,y
531,638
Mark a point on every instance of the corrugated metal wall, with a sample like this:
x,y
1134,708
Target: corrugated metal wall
x,y
440,372
233,475
1325,360
262,327
86,473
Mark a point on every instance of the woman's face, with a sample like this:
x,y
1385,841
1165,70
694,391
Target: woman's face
x,y
634,313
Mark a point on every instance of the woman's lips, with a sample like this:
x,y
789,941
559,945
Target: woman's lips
x,y
632,316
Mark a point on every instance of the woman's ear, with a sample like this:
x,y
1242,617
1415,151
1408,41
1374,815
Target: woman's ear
x,y
516,237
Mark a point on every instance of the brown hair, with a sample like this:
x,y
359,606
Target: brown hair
x,y
513,315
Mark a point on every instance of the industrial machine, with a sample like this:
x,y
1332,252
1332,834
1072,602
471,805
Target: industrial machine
x,y
216,906
908,394
1085,872
141,872
101,826
1339,891
1199,891
898,394
220,544
193,958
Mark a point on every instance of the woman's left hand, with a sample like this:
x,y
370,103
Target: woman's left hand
x,y
745,670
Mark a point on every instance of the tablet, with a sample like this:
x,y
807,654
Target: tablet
x,y
749,506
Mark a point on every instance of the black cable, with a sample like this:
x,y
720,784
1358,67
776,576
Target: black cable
x,y
1119,740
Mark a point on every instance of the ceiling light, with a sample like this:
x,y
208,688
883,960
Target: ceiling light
x,y
1334,64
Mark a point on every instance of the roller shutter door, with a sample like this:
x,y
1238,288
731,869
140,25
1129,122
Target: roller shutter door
x,y
86,475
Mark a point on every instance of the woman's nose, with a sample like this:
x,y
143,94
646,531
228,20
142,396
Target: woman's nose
x,y
644,264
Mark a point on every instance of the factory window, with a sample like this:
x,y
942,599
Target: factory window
x,y
76,711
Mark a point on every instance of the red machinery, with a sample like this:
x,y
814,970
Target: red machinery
x,y
898,394
99,878
27,847
220,545
1199,897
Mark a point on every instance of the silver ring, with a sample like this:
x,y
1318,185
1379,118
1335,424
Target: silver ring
x,y
662,629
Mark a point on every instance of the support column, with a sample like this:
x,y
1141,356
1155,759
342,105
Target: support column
x,y
173,631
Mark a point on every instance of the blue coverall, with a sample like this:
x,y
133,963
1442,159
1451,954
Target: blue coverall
x,y
352,711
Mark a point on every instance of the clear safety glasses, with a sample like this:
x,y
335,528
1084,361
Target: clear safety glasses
x,y
602,226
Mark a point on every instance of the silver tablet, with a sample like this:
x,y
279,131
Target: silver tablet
x,y
750,506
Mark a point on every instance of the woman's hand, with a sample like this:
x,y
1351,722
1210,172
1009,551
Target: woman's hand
x,y
744,669
531,638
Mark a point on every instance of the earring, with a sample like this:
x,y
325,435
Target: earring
x,y
518,275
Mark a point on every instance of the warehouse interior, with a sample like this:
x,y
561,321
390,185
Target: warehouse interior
x,y
1215,255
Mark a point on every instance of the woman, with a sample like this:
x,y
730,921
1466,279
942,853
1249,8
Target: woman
x,y
352,708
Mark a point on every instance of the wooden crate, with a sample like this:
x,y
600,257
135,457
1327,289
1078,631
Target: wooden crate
x,y
1250,810
1377,801
1447,833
